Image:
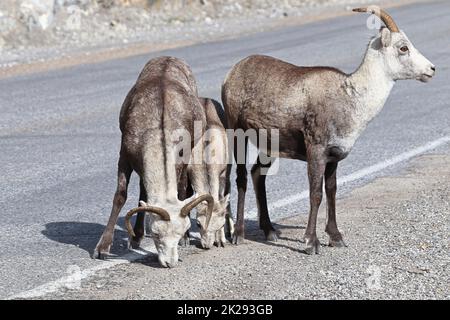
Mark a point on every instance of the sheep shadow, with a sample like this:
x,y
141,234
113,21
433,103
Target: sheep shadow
x,y
254,233
85,236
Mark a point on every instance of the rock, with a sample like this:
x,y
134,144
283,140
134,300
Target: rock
x,y
7,24
2,43
37,13
75,16
75,5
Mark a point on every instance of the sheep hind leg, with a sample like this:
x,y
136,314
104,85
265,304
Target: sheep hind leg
x,y
185,241
135,242
241,181
220,240
185,191
259,184
316,171
239,228
331,229
229,224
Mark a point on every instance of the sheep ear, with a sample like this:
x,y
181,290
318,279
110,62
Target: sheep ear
x,y
385,37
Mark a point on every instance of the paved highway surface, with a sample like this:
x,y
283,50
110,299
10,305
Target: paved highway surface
x,y
59,136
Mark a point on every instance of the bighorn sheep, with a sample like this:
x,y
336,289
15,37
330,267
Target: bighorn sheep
x,y
163,101
207,174
319,112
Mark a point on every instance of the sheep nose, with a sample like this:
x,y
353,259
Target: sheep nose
x,y
171,265
163,264
433,68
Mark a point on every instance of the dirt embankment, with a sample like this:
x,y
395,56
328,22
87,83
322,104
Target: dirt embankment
x,y
49,30
39,23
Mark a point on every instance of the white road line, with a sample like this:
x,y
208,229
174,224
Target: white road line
x,y
76,276
361,173
72,280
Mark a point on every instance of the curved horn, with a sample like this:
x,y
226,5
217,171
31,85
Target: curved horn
x,y
383,15
159,211
191,205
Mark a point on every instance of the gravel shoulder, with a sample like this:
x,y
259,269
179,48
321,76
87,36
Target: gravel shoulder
x,y
396,228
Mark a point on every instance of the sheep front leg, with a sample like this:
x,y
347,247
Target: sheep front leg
x,y
120,197
316,169
331,228
220,240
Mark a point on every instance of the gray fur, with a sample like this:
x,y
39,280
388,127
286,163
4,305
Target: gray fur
x,y
208,174
163,100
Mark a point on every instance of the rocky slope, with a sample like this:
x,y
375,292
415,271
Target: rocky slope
x,y
33,27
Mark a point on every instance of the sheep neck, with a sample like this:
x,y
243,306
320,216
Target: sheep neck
x,y
370,85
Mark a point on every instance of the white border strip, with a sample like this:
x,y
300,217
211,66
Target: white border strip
x,y
74,280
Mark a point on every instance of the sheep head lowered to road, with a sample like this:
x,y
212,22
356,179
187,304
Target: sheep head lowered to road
x,y
207,174
318,112
162,104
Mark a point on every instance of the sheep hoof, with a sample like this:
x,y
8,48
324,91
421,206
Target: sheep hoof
x,y
219,244
337,243
100,255
271,235
185,242
237,239
312,246
102,248
134,243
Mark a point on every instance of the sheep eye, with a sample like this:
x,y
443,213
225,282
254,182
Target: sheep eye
x,y
404,49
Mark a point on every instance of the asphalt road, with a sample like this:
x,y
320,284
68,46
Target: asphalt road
x,y
59,136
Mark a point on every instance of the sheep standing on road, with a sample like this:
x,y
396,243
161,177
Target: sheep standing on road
x,y
319,113
163,101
